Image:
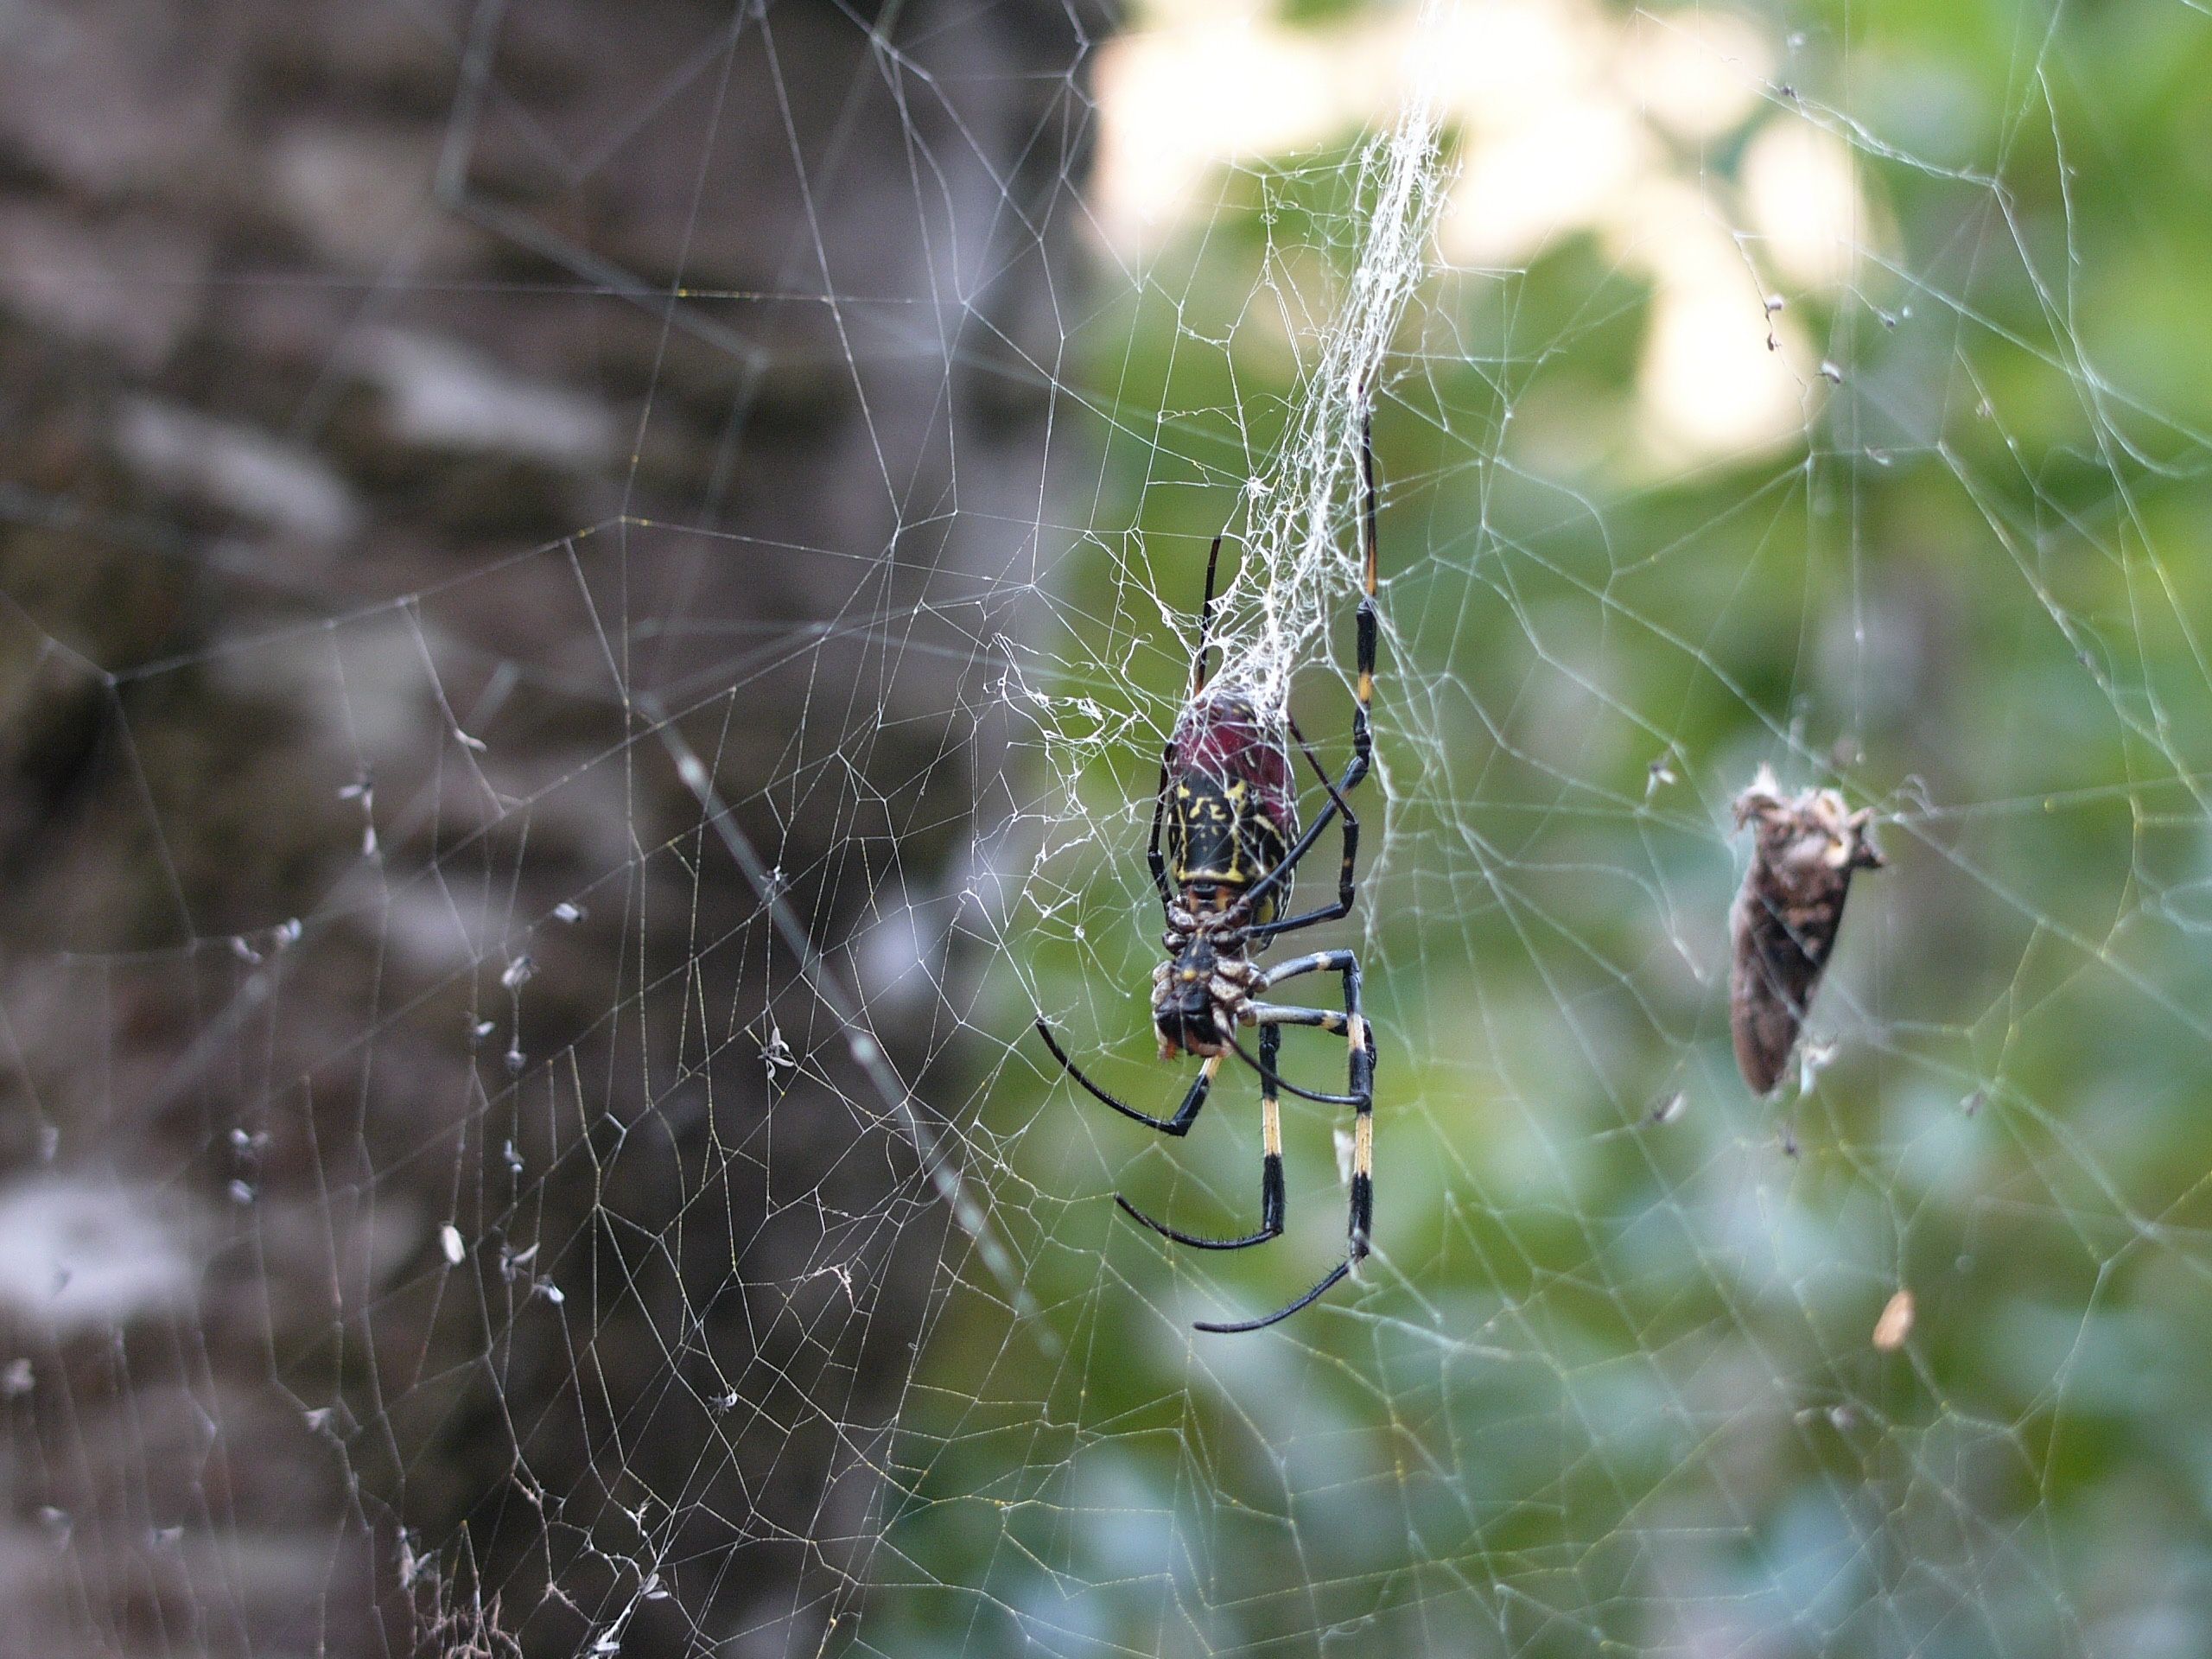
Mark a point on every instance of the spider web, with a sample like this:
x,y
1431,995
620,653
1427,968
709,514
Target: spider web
x,y
524,1132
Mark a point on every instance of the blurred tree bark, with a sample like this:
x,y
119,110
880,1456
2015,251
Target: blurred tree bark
x,y
439,1206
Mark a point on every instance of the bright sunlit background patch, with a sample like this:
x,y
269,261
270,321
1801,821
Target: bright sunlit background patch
x,y
1570,120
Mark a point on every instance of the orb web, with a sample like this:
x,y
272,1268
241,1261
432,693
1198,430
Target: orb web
x,y
601,1192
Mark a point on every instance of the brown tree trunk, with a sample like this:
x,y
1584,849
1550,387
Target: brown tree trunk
x,y
422,427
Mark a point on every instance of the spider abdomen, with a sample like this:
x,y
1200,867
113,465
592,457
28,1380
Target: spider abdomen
x,y
1232,809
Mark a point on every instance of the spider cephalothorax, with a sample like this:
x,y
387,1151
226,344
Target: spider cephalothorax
x,y
1229,809
1202,991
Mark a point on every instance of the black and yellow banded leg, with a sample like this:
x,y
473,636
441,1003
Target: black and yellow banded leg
x,y
1359,1093
1271,1187
1365,690
1362,738
1314,961
1348,860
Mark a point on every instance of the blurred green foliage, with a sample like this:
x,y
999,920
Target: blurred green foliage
x,y
1609,1386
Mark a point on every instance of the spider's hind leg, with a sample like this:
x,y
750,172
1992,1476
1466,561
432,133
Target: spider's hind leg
x,y
1271,1187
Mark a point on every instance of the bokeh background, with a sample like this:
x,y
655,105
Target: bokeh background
x,y
589,594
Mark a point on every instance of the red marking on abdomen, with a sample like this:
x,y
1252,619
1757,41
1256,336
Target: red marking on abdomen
x,y
1224,737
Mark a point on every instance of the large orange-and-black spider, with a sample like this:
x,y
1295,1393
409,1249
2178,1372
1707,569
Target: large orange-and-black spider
x,y
1231,811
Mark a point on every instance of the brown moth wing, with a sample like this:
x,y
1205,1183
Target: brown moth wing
x,y
1783,925
1771,981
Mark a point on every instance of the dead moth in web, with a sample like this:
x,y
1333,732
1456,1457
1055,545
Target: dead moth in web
x,y
1784,923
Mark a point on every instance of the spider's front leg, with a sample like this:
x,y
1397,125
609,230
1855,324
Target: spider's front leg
x,y
1185,1114
1271,1187
1362,738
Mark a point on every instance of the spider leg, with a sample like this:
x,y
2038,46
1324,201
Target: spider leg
x,y
1271,1189
1185,1114
1330,1282
1274,1014
1267,1014
1153,859
1205,621
1359,1039
1274,1079
1362,738
1346,883
1347,886
1329,962
1274,878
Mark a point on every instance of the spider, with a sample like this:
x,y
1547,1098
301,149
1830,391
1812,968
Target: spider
x,y
1229,806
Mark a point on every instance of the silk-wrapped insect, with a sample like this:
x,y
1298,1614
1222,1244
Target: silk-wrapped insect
x,y
1806,850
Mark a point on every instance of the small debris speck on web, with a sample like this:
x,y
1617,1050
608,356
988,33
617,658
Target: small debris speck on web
x,y
775,1052
1896,1323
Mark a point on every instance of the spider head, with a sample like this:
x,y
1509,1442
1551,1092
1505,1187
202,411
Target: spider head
x,y
1198,996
